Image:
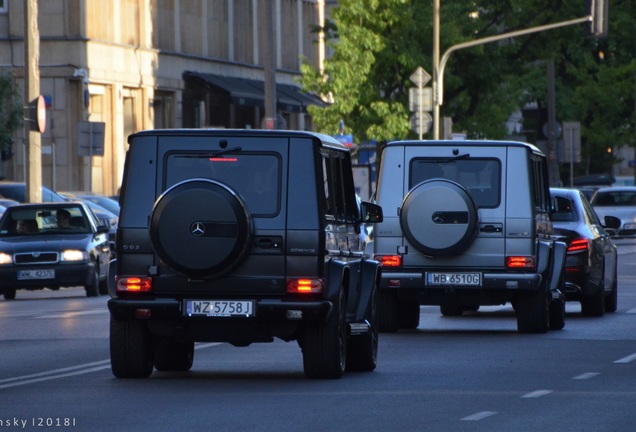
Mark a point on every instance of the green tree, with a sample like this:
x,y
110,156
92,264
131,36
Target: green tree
x,y
10,111
377,44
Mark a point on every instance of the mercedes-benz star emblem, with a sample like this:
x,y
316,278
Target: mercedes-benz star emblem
x,y
197,229
438,218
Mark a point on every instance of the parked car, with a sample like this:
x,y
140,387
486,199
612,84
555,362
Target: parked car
x,y
108,203
468,225
591,261
619,201
17,191
52,245
241,236
106,218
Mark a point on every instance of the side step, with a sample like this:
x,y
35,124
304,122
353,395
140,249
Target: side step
x,y
359,328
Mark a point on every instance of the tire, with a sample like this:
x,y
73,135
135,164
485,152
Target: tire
x,y
9,294
103,286
408,314
324,344
439,217
200,228
611,301
532,310
388,312
557,314
451,310
92,285
174,356
593,306
131,354
362,350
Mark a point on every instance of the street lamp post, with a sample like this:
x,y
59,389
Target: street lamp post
x,y
439,66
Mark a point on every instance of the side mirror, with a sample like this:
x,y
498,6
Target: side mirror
x,y
102,229
612,222
371,213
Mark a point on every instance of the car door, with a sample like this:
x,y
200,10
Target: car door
x,y
606,244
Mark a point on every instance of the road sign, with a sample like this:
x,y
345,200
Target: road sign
x,y
571,142
90,138
421,122
420,77
421,98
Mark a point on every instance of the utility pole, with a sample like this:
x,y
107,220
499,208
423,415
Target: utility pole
x,y
436,71
268,43
32,136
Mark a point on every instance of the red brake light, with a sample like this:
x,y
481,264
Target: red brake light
x,y
520,262
133,284
304,286
223,159
579,244
390,260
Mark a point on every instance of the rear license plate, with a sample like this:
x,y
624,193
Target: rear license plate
x,y
455,279
36,274
219,308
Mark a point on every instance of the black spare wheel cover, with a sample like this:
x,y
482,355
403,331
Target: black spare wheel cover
x,y
200,228
439,217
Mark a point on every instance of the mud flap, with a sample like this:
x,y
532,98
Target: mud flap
x,y
558,267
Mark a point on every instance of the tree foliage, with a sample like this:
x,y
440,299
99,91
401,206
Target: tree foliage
x,y
378,44
10,110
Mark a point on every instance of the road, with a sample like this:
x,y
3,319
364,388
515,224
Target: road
x,y
470,373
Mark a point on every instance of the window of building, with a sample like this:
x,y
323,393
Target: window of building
x,y
4,6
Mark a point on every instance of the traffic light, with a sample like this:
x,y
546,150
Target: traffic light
x,y
599,11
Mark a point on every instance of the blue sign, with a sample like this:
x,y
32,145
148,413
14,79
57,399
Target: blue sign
x,y
347,140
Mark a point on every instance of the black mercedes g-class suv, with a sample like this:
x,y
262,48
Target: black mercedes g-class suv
x,y
241,236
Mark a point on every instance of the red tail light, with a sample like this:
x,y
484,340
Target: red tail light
x,y
304,286
133,284
578,245
520,262
389,260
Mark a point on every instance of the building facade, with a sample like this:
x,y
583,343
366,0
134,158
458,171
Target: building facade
x,y
109,68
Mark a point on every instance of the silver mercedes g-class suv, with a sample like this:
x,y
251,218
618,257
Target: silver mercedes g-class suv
x,y
241,236
466,224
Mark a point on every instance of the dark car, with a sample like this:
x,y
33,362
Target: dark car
x,y
241,236
106,202
52,245
17,191
590,265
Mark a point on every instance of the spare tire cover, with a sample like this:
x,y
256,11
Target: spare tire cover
x,y
439,217
200,228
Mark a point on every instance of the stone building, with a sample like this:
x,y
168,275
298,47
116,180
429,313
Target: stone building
x,y
129,65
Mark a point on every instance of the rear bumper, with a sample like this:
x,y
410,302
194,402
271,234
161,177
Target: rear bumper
x,y
172,309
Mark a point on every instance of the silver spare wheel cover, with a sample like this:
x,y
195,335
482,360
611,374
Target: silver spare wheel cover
x,y
200,228
439,217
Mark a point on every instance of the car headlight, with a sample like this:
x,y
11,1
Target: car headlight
x,y
74,255
5,258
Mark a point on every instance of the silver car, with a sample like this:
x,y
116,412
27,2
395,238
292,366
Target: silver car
x,y
619,201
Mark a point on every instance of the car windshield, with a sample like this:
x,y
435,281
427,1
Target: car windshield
x,y
615,198
481,176
20,221
255,176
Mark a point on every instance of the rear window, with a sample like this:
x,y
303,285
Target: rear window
x,y
564,210
614,198
481,176
254,176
